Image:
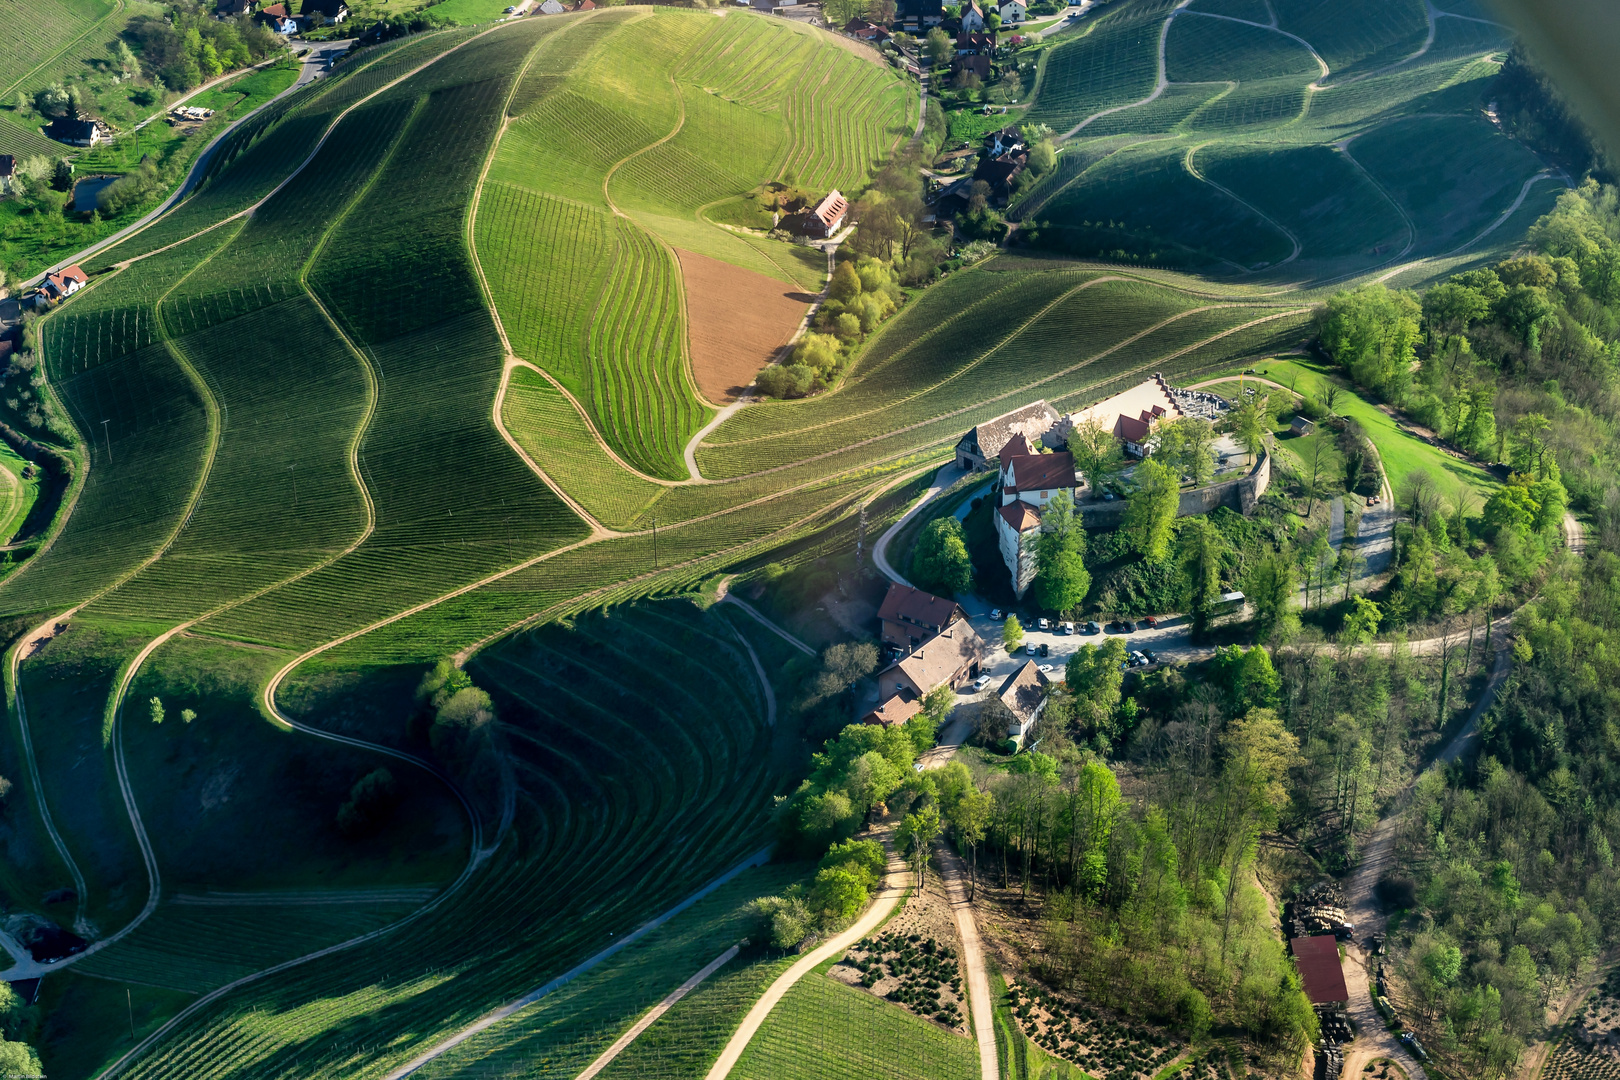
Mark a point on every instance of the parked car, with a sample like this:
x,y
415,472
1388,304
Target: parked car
x,y
1125,626
981,682
1067,628
996,613
1046,650
1371,501
1151,622
1153,657
1044,669
1090,628
1043,624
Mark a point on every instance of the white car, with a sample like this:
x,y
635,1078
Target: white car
x,y
981,682
1045,669
995,613
1043,624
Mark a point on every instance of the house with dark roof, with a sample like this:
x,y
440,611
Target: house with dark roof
x,y
914,15
1027,482
953,198
8,172
983,443
325,12
949,658
1001,172
978,65
828,216
74,132
894,712
1320,969
1024,692
866,31
226,9
911,616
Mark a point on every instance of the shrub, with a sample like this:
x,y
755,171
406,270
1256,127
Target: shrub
x,y
785,381
371,800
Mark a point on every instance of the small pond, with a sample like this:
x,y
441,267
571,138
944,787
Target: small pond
x,y
86,190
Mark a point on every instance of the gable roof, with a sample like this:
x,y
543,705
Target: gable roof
x,y
1042,472
831,209
903,603
74,273
233,7
1032,419
1016,447
1319,969
1023,691
942,656
897,710
1129,414
1021,516
275,11
329,8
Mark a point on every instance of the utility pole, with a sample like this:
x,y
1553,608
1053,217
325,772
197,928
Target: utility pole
x,y
130,1002
108,438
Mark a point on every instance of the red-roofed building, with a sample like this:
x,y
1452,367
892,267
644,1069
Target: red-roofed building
x,y
1130,415
60,286
894,712
1027,482
911,616
828,216
1317,959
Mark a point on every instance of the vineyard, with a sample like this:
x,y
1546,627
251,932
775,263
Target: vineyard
x,y
1288,142
305,447
37,32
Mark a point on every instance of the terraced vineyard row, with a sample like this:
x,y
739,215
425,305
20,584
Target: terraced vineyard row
x,y
34,33
618,748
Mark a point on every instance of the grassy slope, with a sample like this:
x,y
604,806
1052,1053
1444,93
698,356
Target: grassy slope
x,y
660,117
1388,155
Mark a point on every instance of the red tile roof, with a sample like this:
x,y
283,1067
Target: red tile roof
x,y
1017,446
1042,472
1021,516
909,605
897,710
831,209
1319,969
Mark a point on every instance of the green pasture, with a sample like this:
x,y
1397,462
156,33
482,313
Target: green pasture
x,y
824,1029
1401,453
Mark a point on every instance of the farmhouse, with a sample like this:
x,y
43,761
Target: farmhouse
x,y
828,216
74,132
1013,13
983,444
1027,482
61,285
978,65
1130,415
1320,970
1024,693
325,12
279,19
911,616
972,17
894,712
866,31
949,658
921,14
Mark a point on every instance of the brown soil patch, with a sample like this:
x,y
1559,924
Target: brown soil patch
x,y
737,320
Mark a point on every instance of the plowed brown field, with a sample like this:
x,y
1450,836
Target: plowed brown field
x,y
736,321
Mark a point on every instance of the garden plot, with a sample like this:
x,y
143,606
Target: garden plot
x,y
913,970
1590,1050
1098,1040
737,322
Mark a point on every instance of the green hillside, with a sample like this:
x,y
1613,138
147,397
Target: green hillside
x,y
1286,142
410,378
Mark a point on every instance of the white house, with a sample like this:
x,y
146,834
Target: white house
x,y
1013,13
972,18
552,7
1028,482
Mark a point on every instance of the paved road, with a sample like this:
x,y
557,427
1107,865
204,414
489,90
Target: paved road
x,y
315,65
1068,19
943,479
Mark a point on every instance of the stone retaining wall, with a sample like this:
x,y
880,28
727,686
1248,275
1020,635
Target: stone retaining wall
x,y
1242,495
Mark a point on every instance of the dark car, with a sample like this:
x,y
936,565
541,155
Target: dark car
x,y
1090,628
1152,657
1125,626
1046,650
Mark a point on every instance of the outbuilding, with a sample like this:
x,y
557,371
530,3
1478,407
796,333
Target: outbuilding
x,y
1320,970
828,216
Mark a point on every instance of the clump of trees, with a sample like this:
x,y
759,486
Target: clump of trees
x,y
460,710
187,45
371,800
862,293
940,562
